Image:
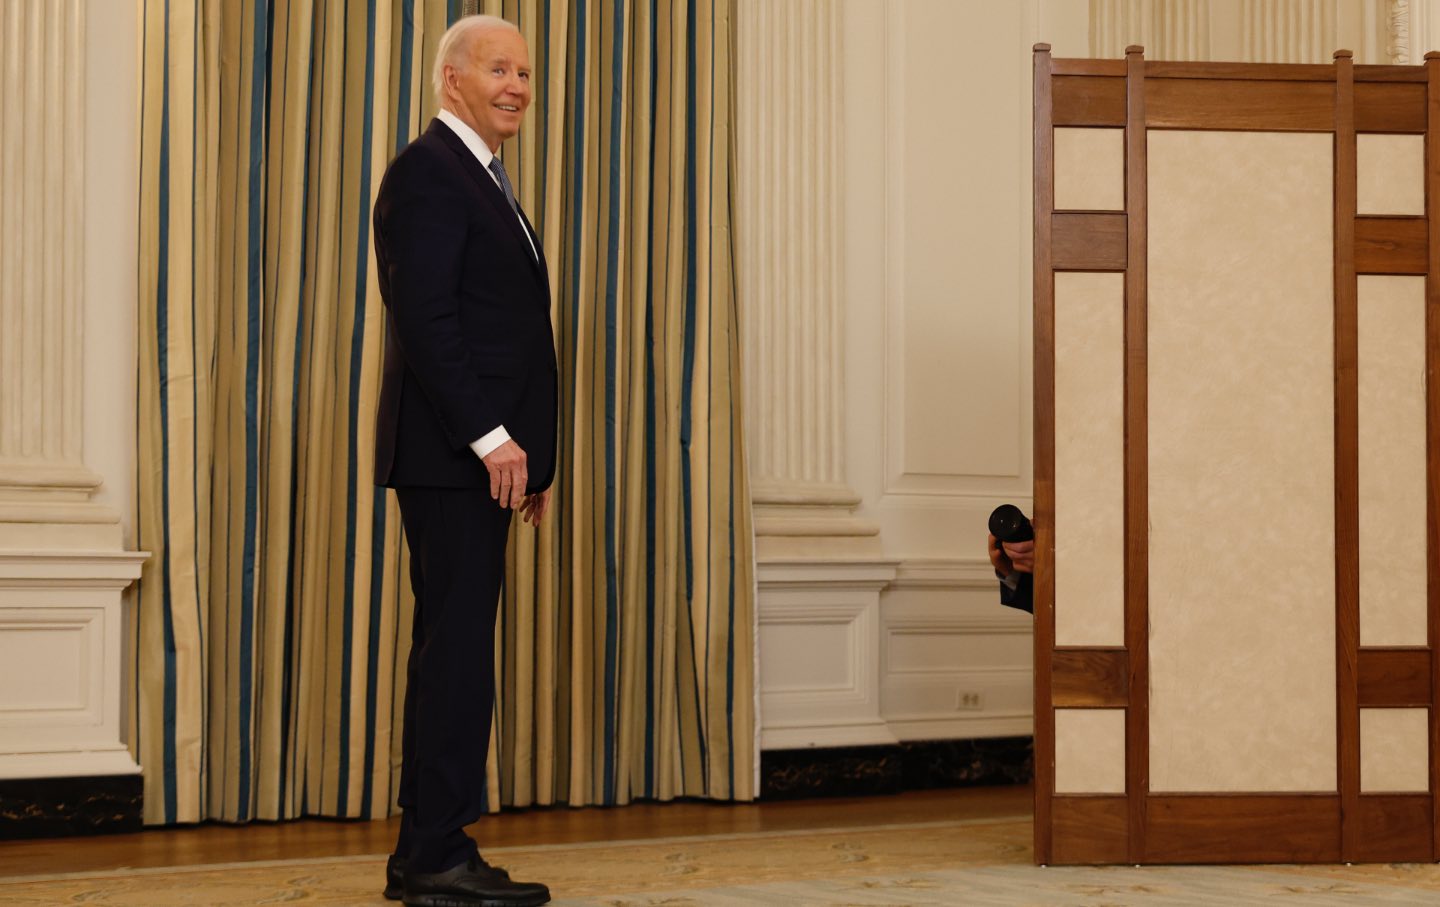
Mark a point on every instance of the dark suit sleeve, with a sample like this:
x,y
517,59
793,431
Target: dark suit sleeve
x,y
1021,595
421,236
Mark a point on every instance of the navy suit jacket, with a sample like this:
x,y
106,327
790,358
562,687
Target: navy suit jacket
x,y
469,345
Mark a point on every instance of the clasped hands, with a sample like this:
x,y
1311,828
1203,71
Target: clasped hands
x,y
508,479
1012,557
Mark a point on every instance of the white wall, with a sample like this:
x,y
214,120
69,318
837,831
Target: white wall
x,y
938,356
111,205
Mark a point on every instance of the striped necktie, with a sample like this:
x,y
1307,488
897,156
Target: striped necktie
x,y
498,169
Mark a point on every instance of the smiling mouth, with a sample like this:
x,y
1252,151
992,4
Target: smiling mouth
x,y
508,108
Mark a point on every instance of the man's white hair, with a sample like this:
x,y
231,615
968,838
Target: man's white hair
x,y
455,44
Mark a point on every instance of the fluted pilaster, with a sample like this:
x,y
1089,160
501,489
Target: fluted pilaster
x,y
788,235
1290,31
1167,29
1259,31
44,485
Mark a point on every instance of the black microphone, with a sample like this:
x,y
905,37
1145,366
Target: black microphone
x,y
1009,524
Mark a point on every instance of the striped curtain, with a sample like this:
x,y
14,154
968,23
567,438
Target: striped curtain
x,y
273,620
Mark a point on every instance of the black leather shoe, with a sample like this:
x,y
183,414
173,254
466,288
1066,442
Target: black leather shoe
x,y
472,884
395,878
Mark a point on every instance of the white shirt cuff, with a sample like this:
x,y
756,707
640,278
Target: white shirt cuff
x,y
487,444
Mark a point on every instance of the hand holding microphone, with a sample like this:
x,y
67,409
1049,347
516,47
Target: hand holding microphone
x,y
1012,541
1012,553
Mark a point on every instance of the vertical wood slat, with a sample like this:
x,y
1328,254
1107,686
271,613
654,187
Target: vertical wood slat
x,y
1044,422
1137,579
1347,462
1432,426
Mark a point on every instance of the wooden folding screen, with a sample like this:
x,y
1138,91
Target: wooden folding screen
x,y
1237,317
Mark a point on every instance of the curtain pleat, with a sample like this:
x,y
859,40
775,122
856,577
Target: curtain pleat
x,y
273,622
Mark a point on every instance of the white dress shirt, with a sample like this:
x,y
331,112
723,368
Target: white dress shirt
x,y
485,445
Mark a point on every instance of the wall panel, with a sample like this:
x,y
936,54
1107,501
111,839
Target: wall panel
x,y
1391,333
1241,475
1089,459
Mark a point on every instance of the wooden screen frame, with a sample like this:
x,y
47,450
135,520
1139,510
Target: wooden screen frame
x,y
1341,99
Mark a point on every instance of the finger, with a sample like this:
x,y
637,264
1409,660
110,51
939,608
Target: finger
x,y
494,483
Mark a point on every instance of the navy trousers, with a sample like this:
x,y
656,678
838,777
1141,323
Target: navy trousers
x,y
457,562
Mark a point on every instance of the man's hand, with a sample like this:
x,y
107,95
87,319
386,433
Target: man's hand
x,y
533,507
508,475
1012,557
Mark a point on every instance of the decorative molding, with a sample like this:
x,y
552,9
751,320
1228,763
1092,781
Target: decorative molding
x,y
945,573
963,727
1398,47
862,574
908,482
932,626
111,571
99,761
60,715
824,620
788,239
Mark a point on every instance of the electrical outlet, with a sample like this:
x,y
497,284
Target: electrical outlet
x,y
970,701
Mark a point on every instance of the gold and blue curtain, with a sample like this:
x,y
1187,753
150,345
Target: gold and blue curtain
x,y
272,622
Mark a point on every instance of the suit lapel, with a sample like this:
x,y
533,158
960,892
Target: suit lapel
x,y
492,194
539,250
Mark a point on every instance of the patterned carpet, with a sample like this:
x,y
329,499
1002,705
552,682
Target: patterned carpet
x,y
951,863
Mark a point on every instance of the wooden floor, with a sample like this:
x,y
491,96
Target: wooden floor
x,y
213,843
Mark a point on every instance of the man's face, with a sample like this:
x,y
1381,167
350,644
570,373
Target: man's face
x,y
492,88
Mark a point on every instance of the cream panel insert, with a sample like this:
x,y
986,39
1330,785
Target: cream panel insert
x,y
1390,174
1241,441
1089,169
1089,751
1394,750
1089,459
1392,461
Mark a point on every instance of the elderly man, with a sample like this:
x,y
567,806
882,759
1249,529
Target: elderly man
x,y
465,434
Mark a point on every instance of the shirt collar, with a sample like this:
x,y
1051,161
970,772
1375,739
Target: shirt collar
x,y
470,137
